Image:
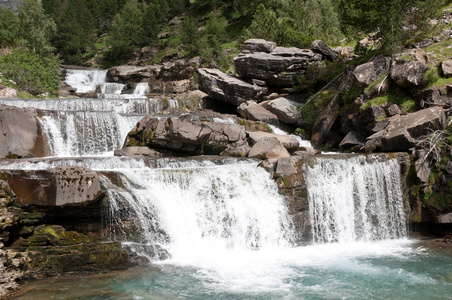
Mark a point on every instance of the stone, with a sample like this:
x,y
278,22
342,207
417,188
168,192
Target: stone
x,y
137,152
127,74
226,88
55,187
408,74
8,93
353,141
306,151
239,149
323,48
289,142
393,110
258,45
435,96
412,55
253,111
280,68
368,72
446,67
403,132
268,148
285,109
325,121
21,133
445,218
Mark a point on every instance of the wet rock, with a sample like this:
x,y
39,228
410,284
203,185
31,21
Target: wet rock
x,y
285,109
353,141
446,218
137,152
268,148
323,48
21,133
55,187
253,111
325,121
126,74
223,87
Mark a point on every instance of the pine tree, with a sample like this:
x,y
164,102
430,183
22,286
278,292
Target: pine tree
x,y
9,25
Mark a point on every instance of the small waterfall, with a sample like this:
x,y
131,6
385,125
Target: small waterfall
x,y
83,133
141,89
110,90
85,81
355,200
191,209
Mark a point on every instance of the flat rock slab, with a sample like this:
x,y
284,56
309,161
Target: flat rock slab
x,y
288,142
226,88
253,111
285,109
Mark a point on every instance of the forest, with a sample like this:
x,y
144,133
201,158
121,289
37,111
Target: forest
x,y
104,33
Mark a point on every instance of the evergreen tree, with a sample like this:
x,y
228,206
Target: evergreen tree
x,y
189,35
9,24
151,23
392,22
265,25
35,28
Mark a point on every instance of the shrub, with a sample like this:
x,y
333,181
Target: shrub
x,y
31,73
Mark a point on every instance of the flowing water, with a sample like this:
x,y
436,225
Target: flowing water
x,y
218,228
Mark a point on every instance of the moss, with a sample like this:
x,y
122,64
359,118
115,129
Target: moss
x,y
406,104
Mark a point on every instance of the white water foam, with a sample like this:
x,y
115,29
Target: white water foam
x,y
85,81
355,200
303,143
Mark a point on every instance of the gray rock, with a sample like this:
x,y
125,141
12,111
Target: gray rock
x,y
8,93
408,74
21,133
412,55
137,152
353,141
323,48
225,88
289,142
402,132
445,218
446,67
285,109
393,110
368,72
133,73
253,111
55,187
268,148
258,45
325,121
281,67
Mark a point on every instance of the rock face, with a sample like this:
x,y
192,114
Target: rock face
x,y
285,109
133,73
57,187
268,148
323,48
368,72
21,133
325,121
223,87
289,142
8,93
403,131
185,136
280,67
253,111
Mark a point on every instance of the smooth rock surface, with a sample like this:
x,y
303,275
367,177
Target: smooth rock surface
x,y
285,109
253,111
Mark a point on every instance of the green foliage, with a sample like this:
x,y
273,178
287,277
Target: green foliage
x,y
31,72
35,28
311,109
190,35
9,24
406,104
391,22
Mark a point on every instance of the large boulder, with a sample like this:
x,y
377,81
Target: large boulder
x,y
184,136
253,111
409,68
55,187
126,74
226,88
403,132
8,93
268,148
323,48
281,67
325,121
21,133
446,67
289,142
367,73
286,110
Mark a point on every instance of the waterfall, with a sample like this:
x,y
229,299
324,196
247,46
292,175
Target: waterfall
x,y
141,89
205,206
85,81
111,90
355,200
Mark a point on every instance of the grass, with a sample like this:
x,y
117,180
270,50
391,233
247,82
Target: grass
x,y
406,104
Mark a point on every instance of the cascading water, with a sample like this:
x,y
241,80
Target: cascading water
x,y
352,200
190,210
85,81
